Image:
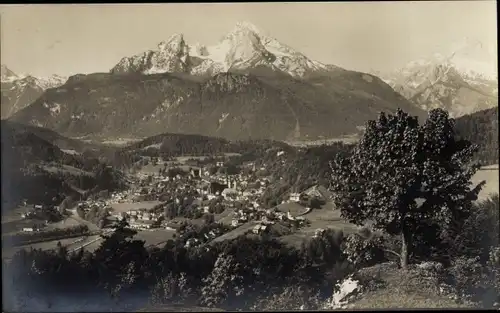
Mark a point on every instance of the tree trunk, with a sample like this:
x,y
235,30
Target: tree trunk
x,y
405,248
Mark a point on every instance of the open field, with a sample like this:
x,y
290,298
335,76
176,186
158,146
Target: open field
x,y
324,218
235,232
67,222
348,139
8,252
15,214
490,175
183,159
151,169
66,169
124,207
293,207
155,236
14,226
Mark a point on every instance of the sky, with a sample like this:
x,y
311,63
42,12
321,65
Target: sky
x,y
67,39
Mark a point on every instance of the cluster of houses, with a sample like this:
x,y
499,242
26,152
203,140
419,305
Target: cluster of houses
x,y
89,204
140,219
192,242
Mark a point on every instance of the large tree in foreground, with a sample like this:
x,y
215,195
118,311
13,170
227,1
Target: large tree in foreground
x,y
402,174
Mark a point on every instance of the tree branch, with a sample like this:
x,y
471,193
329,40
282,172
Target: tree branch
x,y
393,252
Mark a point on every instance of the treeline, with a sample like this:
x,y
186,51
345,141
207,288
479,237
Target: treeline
x,y
20,239
481,128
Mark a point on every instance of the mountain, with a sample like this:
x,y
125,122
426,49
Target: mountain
x,y
242,48
7,74
481,128
462,82
18,91
248,96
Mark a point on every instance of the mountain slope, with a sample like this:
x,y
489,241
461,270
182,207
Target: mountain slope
x,y
458,82
17,92
481,128
260,105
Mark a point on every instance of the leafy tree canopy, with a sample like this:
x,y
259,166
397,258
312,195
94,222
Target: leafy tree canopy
x,y
402,173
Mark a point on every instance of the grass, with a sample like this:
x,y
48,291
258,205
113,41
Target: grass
x,y
235,232
68,222
124,207
324,218
155,237
67,169
8,252
401,289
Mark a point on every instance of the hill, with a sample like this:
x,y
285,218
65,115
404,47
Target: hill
x,y
38,171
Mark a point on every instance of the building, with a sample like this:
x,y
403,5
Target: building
x,y
196,172
216,187
295,197
258,229
320,192
229,193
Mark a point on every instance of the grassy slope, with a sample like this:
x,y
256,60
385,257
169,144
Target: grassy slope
x,y
400,289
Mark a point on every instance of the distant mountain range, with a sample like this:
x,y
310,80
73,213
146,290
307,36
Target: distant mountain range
x,y
461,82
248,86
19,91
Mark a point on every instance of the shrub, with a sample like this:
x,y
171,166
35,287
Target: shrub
x,y
170,288
363,251
467,277
478,233
291,297
222,283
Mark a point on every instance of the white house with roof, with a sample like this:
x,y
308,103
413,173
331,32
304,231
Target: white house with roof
x,y
294,197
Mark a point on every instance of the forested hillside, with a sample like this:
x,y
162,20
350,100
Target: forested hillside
x,y
481,128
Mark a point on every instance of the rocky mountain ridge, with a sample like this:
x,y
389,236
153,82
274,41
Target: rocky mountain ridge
x,y
19,91
242,48
463,82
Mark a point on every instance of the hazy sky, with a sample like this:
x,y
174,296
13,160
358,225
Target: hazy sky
x,y
67,39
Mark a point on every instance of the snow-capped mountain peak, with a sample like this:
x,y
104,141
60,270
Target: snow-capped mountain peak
x,y
244,47
7,75
462,80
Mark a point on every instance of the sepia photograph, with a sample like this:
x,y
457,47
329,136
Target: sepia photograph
x,y
279,156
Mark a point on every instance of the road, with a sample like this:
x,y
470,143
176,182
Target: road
x,y
83,242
